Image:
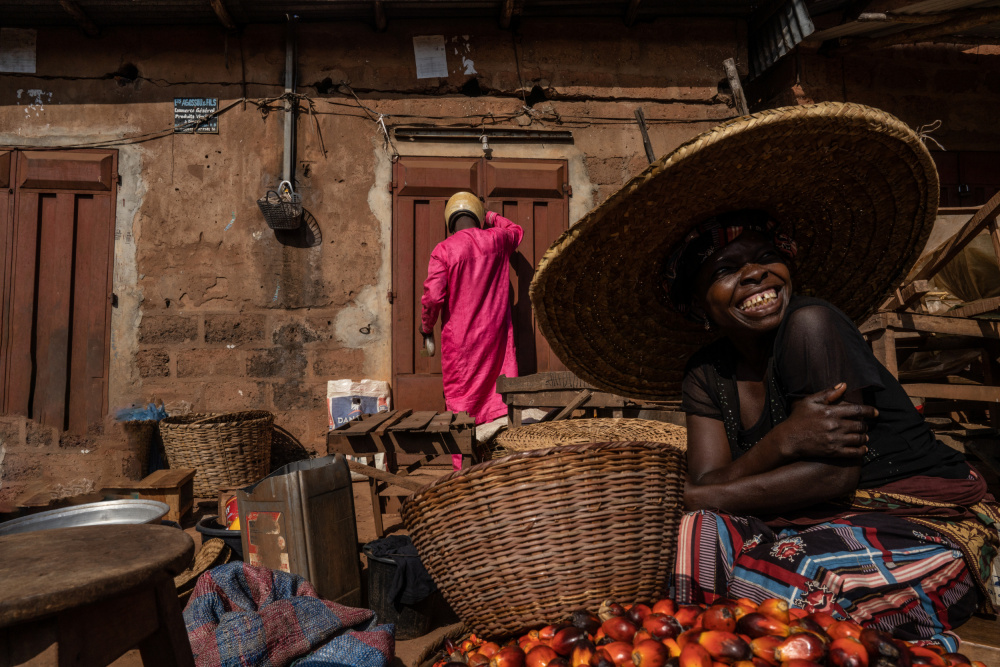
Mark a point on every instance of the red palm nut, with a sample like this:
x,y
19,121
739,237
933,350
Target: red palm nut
x,y
756,625
620,652
801,663
724,646
509,656
955,659
650,653
548,632
763,648
847,652
719,617
540,656
839,629
879,645
619,629
924,656
665,606
608,609
662,626
641,635
694,655
688,615
564,640
822,619
804,646
637,612
776,608
583,653
478,660
489,649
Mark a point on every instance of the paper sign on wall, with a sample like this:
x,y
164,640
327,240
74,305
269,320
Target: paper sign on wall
x,y
17,50
430,55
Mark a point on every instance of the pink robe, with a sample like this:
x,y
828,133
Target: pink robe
x,y
468,282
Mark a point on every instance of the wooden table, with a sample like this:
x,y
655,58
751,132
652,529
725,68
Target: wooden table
x,y
565,390
410,441
175,487
84,596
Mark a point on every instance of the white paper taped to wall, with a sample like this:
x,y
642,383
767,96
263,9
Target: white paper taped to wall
x,y
17,50
430,55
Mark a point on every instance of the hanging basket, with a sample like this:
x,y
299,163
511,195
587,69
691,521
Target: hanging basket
x,y
282,208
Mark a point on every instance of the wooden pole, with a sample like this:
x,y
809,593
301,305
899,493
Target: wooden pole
x,y
640,117
734,83
222,14
380,20
288,160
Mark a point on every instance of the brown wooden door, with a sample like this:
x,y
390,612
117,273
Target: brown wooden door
x,y
57,288
532,193
968,178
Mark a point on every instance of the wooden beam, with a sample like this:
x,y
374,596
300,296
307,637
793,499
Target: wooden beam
x,y
975,308
380,20
579,400
906,295
955,392
890,17
948,250
222,14
957,326
632,12
89,27
734,83
962,21
506,13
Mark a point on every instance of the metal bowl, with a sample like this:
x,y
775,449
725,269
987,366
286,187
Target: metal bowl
x,y
107,512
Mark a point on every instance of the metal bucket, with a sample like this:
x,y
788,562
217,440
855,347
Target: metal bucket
x,y
107,512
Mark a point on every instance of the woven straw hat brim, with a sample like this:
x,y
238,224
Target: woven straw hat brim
x,y
854,186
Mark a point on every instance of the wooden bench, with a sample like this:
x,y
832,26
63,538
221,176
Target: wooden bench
x,y
565,390
174,487
414,444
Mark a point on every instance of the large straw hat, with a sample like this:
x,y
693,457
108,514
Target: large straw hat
x,y
852,185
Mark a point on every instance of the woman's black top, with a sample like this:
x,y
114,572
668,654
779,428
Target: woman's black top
x,y
815,348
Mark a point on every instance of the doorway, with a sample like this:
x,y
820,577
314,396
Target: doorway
x,y
57,221
532,193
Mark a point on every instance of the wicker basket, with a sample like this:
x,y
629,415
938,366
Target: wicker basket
x,y
522,541
228,450
582,431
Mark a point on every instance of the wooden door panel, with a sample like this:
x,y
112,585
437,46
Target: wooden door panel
x,y
58,288
6,233
436,177
540,179
46,170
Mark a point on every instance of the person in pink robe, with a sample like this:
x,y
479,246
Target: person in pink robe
x,y
468,284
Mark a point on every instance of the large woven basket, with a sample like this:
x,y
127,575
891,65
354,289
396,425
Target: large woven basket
x,y
582,431
228,450
522,541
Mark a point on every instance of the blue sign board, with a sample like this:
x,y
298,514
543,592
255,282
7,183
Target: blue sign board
x,y
191,115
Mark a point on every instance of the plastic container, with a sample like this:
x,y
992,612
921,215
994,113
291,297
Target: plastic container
x,y
300,519
209,527
410,620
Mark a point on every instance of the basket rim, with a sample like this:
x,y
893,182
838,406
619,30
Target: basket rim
x,y
613,445
217,418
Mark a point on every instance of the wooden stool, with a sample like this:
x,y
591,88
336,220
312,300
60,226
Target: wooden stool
x,y
84,596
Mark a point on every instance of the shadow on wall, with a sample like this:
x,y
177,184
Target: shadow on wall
x,y
307,235
285,448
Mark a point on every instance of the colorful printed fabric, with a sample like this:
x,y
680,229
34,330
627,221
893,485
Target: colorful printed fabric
x,y
708,238
875,569
240,614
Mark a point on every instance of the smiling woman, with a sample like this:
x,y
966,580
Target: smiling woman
x,y
811,477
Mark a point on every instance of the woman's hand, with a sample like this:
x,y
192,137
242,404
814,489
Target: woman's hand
x,y
824,427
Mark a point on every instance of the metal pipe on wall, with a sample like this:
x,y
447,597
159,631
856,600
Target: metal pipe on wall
x,y
288,163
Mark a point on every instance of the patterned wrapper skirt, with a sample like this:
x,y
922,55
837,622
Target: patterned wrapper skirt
x,y
876,569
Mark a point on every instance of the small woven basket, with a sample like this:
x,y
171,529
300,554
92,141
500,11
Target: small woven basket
x,y
282,208
228,450
581,431
522,541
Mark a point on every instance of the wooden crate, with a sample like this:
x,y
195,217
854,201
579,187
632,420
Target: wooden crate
x,y
174,487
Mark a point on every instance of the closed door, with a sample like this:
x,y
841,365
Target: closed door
x,y
57,240
532,193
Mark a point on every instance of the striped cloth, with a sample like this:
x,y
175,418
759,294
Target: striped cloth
x,y
876,569
240,614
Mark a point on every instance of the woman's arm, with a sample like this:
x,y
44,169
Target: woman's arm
x,y
822,426
793,486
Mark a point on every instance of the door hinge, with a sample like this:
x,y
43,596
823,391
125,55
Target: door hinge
x,y
390,186
114,300
567,189
390,295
